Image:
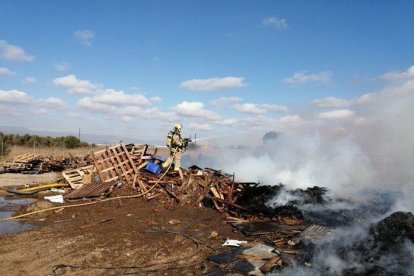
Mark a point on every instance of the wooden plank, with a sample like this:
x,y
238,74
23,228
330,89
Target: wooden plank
x,y
101,176
229,203
214,191
142,165
129,157
269,264
141,185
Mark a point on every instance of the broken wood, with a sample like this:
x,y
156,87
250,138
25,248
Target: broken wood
x,y
291,251
229,203
269,264
172,194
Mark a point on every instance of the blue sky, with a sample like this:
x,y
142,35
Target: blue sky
x,y
134,68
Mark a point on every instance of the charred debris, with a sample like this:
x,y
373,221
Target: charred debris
x,y
287,231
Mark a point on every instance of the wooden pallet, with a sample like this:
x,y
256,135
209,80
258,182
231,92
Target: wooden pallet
x,y
115,163
27,158
141,153
75,177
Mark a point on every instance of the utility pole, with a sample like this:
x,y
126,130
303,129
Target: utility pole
x,y
79,135
2,148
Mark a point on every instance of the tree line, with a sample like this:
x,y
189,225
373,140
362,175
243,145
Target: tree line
x,y
28,140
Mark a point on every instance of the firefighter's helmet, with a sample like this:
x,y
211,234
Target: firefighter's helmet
x,y
178,127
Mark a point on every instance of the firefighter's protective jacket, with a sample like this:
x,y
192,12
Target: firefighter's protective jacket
x,y
174,141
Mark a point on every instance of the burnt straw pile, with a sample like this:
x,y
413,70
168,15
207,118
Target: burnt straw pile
x,y
382,248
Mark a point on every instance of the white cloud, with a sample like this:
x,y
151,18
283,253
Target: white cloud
x,y
6,71
337,114
227,122
155,113
213,84
290,119
366,98
89,104
408,74
258,121
274,107
194,109
275,22
12,52
259,108
85,37
6,111
62,66
406,87
331,102
195,126
127,119
152,113
29,80
77,115
302,78
112,97
53,102
14,97
41,111
75,85
226,101
131,111
249,108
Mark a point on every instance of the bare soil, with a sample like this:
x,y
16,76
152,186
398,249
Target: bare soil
x,y
15,179
115,233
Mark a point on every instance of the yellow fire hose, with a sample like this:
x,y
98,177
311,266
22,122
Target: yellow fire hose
x,y
45,186
90,203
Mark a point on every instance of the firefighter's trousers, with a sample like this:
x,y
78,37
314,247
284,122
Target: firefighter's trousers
x,y
176,159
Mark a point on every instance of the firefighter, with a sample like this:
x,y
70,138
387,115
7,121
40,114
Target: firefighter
x,y
176,144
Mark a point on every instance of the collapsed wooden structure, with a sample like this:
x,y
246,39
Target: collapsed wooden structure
x,y
125,164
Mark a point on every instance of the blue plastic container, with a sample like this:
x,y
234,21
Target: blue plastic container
x,y
154,168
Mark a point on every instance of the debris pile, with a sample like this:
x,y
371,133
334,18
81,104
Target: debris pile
x,y
33,163
255,260
135,170
283,228
385,248
132,166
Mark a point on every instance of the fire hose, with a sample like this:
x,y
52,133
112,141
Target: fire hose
x,y
36,189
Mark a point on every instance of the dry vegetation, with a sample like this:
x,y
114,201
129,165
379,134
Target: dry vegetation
x,y
57,152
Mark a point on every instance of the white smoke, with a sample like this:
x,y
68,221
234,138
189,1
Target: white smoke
x,y
374,150
283,198
366,158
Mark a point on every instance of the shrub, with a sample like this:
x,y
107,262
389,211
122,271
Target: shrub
x,y
71,142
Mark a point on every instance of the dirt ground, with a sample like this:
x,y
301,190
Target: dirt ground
x,y
15,179
123,232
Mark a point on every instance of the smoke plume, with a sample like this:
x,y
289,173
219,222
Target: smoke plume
x,y
370,151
